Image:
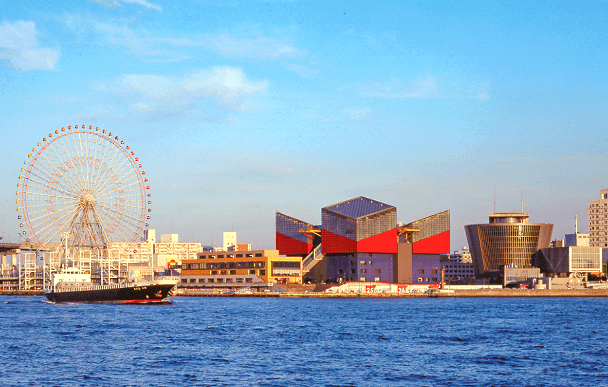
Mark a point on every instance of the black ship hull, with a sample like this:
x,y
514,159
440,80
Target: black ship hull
x,y
115,294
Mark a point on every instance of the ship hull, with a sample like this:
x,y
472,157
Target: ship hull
x,y
118,294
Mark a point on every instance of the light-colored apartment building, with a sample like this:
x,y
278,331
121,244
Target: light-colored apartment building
x,y
598,220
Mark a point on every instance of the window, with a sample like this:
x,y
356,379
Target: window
x,y
262,272
220,280
192,280
352,271
214,272
341,271
378,271
230,255
258,254
229,280
232,272
239,255
361,262
419,279
186,266
222,272
434,271
231,265
201,280
239,280
251,272
184,280
249,280
377,279
421,271
362,279
363,270
222,265
369,262
434,279
221,256
210,280
250,265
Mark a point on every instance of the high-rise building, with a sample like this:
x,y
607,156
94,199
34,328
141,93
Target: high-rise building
x,y
507,240
598,220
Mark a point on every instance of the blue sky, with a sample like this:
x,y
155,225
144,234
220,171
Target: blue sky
x,y
238,109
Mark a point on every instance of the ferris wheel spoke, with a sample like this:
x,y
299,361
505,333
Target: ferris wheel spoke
x,y
52,226
113,213
40,183
118,196
120,172
63,159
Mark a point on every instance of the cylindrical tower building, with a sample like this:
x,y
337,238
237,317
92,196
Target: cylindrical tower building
x,y
507,240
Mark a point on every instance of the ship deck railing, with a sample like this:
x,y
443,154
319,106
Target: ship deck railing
x,y
105,287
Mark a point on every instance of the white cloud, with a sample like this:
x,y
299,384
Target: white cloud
x,y
302,70
357,114
117,3
138,43
144,43
145,4
19,47
423,87
257,48
479,91
226,88
482,96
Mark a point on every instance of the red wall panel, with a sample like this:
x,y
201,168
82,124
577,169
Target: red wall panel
x,y
290,246
334,243
437,244
381,243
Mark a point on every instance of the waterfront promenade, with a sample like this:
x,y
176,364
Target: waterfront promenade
x,y
434,293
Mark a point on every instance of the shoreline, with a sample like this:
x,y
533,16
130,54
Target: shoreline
x,y
434,293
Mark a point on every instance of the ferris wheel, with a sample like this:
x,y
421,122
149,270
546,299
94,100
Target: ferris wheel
x,y
83,187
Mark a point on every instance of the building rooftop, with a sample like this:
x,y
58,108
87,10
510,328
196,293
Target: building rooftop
x,y
358,207
509,217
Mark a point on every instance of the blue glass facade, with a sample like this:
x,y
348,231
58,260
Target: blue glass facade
x,y
361,267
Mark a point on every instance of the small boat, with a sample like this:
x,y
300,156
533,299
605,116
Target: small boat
x,y
72,285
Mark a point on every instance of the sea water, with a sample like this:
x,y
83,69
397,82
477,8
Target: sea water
x,y
306,342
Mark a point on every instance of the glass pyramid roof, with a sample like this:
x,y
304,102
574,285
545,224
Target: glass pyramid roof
x,y
358,207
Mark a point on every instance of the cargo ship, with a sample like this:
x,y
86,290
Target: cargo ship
x,y
72,285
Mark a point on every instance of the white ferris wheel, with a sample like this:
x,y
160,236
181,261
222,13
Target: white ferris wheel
x,y
83,187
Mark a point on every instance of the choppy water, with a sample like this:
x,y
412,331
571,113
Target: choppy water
x,y
306,342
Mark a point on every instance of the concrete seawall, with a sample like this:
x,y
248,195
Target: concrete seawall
x,y
469,293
